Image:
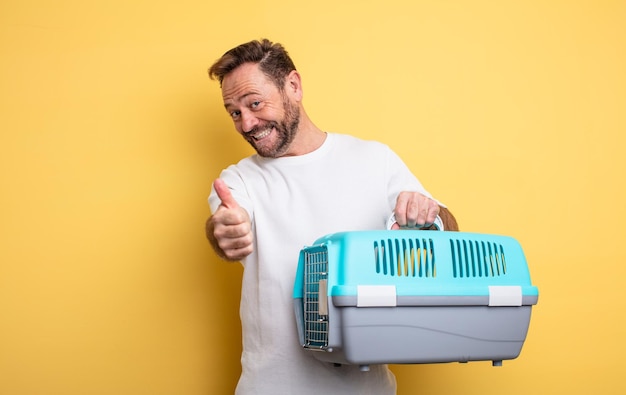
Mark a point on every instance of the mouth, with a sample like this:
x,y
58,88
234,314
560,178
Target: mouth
x,y
262,134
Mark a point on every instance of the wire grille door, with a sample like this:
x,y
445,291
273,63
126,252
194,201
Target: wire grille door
x,y
315,298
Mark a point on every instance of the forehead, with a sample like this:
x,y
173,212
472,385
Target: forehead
x,y
245,80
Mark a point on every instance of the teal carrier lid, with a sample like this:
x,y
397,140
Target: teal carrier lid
x,y
411,267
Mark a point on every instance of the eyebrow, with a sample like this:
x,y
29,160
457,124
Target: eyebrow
x,y
240,98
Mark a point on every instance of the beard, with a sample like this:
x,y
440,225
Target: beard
x,y
286,131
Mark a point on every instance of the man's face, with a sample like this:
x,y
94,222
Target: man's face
x,y
262,113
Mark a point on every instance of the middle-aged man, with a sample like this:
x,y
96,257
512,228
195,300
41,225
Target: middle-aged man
x,y
301,184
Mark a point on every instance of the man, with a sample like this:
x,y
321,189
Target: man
x,y
303,183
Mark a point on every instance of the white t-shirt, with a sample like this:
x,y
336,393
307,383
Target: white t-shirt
x,y
346,184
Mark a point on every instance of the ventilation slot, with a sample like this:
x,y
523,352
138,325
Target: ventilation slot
x,y
477,259
405,257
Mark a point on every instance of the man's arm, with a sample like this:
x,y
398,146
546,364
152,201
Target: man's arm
x,y
449,222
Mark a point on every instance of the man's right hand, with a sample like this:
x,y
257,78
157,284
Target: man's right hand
x,y
229,229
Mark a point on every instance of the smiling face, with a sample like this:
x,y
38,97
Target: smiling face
x,y
267,117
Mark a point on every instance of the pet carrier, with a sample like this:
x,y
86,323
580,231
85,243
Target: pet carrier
x,y
410,296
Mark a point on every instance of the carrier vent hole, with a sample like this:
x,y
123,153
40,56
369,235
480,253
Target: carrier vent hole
x,y
471,258
405,257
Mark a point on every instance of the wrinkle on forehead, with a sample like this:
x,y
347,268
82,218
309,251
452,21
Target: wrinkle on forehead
x,y
239,93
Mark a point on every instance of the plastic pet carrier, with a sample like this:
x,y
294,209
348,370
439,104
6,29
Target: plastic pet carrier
x,y
411,296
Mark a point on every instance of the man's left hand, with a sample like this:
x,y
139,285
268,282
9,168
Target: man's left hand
x,y
414,210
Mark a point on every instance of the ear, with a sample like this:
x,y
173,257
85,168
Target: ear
x,y
293,85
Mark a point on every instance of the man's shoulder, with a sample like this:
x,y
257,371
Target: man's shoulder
x,y
354,142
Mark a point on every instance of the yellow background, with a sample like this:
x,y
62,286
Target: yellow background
x,y
512,113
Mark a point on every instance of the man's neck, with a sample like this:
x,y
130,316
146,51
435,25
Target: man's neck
x,y
308,139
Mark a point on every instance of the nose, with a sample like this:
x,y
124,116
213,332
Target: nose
x,y
248,121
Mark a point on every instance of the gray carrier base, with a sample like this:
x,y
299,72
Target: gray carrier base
x,y
436,330
425,334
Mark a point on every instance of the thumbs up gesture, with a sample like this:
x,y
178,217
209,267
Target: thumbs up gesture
x,y
229,229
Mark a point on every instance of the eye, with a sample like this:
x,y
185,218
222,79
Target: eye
x,y
255,104
235,114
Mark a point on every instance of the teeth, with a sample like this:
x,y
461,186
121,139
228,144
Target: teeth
x,y
263,134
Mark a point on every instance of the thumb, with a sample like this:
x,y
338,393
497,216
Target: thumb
x,y
223,192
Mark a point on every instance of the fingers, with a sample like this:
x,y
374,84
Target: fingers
x,y
235,241
414,210
223,192
231,242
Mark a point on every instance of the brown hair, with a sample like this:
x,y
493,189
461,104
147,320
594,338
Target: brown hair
x,y
272,58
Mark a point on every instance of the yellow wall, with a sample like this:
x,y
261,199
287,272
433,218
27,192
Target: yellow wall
x,y
513,113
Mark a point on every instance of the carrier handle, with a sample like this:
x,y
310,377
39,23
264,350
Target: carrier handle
x,y
438,224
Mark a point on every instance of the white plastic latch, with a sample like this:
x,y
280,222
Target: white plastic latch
x,y
376,296
505,295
